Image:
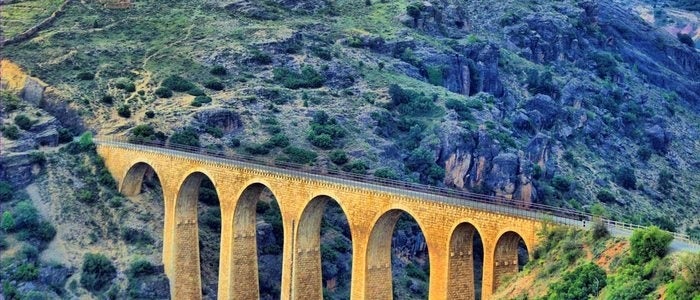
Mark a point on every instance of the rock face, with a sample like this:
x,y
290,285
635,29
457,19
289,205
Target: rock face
x,y
438,17
17,169
226,120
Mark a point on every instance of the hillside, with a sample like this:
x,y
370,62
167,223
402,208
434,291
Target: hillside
x,y
583,104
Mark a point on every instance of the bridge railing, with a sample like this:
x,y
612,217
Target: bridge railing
x,y
439,194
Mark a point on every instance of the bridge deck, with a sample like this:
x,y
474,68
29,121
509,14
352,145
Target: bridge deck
x,y
441,195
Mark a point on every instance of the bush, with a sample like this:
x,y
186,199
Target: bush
x,y
279,140
649,243
187,136
211,218
665,181
140,267
411,103
177,83
686,39
605,196
124,111
461,108
85,76
308,78
338,157
97,272
261,58
358,167
107,99
541,83
150,114
163,92
322,141
561,183
125,85
218,70
584,281
605,65
625,178
599,230
86,195
26,272
6,192
324,131
24,122
134,236
199,100
214,85
385,173
300,156
7,223
10,132
414,9
257,149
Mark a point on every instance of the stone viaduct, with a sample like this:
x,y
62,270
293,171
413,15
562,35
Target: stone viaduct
x,y
372,210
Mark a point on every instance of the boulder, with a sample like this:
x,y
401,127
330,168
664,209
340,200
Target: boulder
x,y
226,120
547,107
503,176
659,138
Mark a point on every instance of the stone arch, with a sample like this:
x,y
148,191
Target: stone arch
x,y
378,270
133,179
505,256
188,280
308,273
461,281
244,254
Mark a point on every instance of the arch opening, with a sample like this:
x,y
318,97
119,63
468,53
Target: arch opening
x,y
197,238
140,177
323,252
398,264
466,258
510,255
256,254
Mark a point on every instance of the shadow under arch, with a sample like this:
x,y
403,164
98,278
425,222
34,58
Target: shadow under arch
x,y
507,259
465,250
378,272
308,268
134,178
245,271
188,275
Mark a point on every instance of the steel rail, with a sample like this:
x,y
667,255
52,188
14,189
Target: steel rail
x,y
421,191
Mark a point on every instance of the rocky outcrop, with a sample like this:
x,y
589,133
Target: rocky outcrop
x,y
438,18
18,169
226,120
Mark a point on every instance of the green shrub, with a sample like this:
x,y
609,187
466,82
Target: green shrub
x,y
218,70
86,195
126,85
7,223
541,83
214,85
649,243
257,149
10,132
211,218
97,271
124,111
234,142
150,114
605,64
107,99
24,122
25,272
195,91
584,281
163,92
435,75
338,157
605,196
133,236
177,83
411,103
626,178
261,58
299,155
322,141
385,173
86,76
325,131
199,100
214,131
599,230
665,181
140,267
308,78
358,167
279,140
462,108
6,192
9,101
561,183
414,9
187,136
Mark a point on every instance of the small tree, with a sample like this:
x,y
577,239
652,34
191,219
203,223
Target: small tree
x,y
97,272
8,222
649,243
